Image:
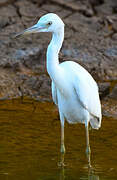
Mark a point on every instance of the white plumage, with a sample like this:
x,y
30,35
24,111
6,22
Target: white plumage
x,y
80,96
74,90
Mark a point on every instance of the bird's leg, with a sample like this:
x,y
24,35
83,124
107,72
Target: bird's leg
x,y
62,140
62,150
62,146
88,150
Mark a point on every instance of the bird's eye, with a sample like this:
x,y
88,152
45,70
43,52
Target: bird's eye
x,y
49,23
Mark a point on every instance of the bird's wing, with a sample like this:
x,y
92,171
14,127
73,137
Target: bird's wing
x,y
87,93
54,93
85,87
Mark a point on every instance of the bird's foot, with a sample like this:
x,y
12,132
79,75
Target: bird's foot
x,y
61,164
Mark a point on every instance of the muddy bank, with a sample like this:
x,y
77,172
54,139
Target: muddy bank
x,y
90,39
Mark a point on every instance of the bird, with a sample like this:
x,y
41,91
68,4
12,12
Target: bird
x,y
74,90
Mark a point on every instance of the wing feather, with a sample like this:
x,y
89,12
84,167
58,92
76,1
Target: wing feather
x,y
88,95
54,93
86,90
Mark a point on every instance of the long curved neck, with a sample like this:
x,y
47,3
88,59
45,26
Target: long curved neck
x,y
52,55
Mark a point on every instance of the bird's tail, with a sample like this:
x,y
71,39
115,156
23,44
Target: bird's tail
x,y
95,122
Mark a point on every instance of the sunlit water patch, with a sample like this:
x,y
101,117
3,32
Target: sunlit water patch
x,y
30,145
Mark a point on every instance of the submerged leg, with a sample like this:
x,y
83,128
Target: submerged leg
x,y
88,150
62,150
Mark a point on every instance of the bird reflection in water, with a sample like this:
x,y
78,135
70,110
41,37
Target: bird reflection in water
x,y
90,174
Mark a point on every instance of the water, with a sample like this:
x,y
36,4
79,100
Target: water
x,y
30,143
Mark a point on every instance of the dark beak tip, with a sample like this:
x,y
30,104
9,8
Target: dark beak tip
x,y
17,35
14,35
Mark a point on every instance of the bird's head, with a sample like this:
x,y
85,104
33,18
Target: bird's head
x,y
47,23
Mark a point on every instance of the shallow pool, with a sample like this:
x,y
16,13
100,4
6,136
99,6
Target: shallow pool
x,y
30,145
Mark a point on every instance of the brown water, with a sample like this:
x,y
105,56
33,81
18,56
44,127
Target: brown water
x,y
30,143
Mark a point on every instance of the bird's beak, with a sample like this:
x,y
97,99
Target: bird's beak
x,y
33,29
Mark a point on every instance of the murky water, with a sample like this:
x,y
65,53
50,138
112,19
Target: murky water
x,y
30,143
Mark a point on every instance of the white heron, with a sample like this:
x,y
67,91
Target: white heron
x,y
74,90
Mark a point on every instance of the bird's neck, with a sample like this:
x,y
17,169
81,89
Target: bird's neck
x,y
52,54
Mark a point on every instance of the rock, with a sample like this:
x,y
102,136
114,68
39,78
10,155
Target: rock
x,y
8,12
29,10
22,60
39,2
74,6
111,52
113,94
51,8
3,22
5,2
115,37
106,8
104,89
96,2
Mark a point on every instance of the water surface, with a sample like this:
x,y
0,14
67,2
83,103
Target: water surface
x,y
30,144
